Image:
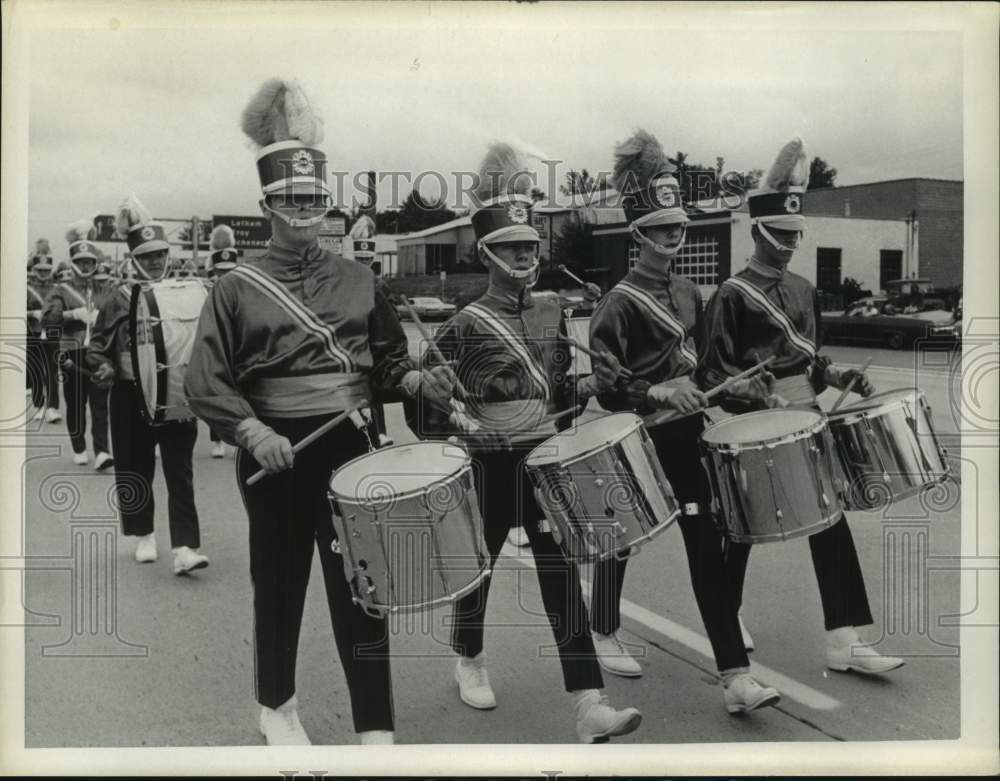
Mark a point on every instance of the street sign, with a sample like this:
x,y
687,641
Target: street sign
x,y
250,232
444,275
334,226
333,243
105,224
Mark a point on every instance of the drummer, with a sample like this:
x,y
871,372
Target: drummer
x,y
507,354
651,322
766,311
133,438
285,342
69,317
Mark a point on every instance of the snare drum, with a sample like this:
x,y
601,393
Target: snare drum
x,y
888,448
602,487
163,319
408,526
773,475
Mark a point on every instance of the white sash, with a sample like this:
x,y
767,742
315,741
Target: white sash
x,y
34,293
662,315
300,315
503,332
756,298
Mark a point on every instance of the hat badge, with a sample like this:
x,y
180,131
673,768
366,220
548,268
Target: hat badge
x,y
148,233
666,196
83,247
517,213
793,204
302,163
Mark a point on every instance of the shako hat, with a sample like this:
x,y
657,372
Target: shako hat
x,y
650,193
778,201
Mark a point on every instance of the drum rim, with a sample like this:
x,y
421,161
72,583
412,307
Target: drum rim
x,y
638,424
866,408
342,499
818,425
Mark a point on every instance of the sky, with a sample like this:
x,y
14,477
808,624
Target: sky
x,y
151,104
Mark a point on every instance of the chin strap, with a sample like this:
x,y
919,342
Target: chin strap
x,y
660,249
295,222
773,241
512,272
83,274
141,272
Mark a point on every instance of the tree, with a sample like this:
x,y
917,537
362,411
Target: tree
x,y
419,213
537,195
751,179
821,174
573,245
582,183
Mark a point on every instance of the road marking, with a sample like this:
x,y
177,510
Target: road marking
x,y
789,687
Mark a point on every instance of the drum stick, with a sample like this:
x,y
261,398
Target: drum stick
x,y
256,477
571,275
426,336
850,385
663,417
625,372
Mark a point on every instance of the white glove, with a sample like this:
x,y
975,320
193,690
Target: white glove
x,y
35,314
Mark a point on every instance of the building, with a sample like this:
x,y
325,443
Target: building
x,y
933,210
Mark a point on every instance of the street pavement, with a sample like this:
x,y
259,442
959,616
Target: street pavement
x,y
123,654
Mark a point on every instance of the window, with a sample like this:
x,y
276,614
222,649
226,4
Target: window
x,y
827,268
698,259
890,266
633,255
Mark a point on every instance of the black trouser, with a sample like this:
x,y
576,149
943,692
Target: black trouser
x,y
50,350
838,573
37,372
677,447
506,499
288,514
135,444
78,390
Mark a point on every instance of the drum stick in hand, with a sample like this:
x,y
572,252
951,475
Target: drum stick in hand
x,y
850,386
426,336
308,440
571,275
625,372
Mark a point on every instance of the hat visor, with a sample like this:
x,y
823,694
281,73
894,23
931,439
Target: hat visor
x,y
156,245
662,217
511,234
300,186
784,222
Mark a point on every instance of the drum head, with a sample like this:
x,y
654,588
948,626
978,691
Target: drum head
x,y
398,470
584,438
761,426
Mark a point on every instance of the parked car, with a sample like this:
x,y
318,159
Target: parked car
x,y
428,308
874,320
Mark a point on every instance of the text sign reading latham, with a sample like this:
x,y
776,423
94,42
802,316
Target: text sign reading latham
x,y
250,232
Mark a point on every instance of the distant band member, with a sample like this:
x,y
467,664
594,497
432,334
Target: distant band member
x,y
135,440
223,259
285,342
766,311
42,351
507,354
71,310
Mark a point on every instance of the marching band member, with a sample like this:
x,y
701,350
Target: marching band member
x,y
651,321
135,440
223,258
506,353
767,311
42,350
71,312
285,342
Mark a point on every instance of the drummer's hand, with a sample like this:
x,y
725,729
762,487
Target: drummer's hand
x,y
103,375
685,399
606,370
437,384
274,453
756,388
863,385
591,292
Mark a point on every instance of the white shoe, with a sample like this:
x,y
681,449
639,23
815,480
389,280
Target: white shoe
x,y
861,658
218,450
187,560
281,726
80,459
518,536
39,414
747,637
377,737
474,682
614,657
597,721
156,452
103,461
145,549
743,694
52,415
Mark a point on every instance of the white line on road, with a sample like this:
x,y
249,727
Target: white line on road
x,y
789,687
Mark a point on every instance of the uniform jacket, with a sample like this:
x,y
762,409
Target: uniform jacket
x,y
66,296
